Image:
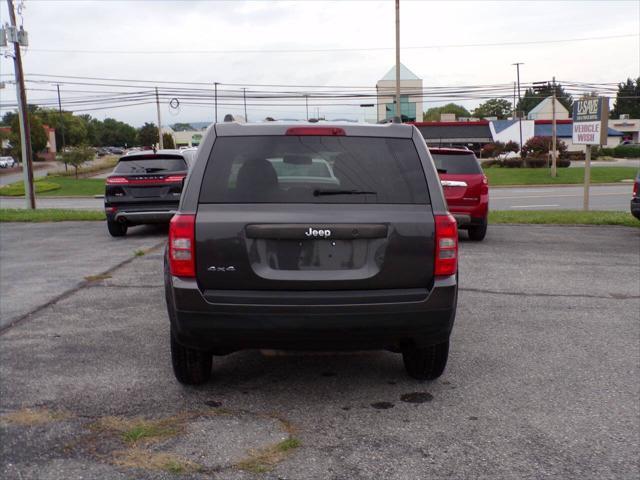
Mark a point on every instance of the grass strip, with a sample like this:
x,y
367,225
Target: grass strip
x,y
542,176
564,217
58,186
49,215
17,189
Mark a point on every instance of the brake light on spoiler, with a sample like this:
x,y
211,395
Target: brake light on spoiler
x,y
144,181
316,131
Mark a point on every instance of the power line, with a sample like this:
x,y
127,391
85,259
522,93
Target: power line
x,y
324,50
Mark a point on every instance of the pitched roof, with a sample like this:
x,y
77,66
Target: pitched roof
x,y
500,125
405,74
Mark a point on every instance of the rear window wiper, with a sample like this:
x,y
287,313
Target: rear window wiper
x,y
317,193
441,170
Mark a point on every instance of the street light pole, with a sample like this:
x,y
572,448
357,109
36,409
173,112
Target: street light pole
x,y
398,60
517,64
25,129
160,143
61,119
215,99
244,94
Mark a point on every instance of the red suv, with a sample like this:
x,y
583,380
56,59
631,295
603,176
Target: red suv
x,y
466,188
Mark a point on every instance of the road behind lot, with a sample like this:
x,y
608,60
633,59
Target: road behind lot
x,y
542,380
603,197
44,260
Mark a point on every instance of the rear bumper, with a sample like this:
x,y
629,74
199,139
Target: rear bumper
x,y
137,214
470,215
225,321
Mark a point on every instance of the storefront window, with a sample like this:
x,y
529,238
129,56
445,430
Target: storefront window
x,y
407,109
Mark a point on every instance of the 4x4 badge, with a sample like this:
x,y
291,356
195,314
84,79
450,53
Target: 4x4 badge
x,y
213,268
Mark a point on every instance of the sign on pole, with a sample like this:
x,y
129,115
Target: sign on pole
x,y
590,121
590,127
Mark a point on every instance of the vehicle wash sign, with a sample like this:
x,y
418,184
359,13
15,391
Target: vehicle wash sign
x,y
590,121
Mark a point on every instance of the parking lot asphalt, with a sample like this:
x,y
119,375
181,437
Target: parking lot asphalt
x,y
39,262
542,380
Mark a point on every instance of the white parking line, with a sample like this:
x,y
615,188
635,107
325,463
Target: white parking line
x,y
532,206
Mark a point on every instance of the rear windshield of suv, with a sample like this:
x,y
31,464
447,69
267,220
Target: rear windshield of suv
x,y
314,169
151,165
462,163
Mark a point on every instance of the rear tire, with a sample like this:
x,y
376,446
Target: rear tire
x,y
117,229
190,366
478,232
426,363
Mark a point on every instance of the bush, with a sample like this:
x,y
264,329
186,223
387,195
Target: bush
x,y
512,163
494,150
536,162
602,152
494,162
576,156
541,146
627,151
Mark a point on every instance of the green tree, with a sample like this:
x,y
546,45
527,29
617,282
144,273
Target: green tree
x,y
167,141
627,99
433,114
76,156
115,133
67,124
148,134
533,96
38,136
181,127
496,107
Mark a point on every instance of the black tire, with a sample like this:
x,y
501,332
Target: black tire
x,y
190,366
117,229
478,232
426,363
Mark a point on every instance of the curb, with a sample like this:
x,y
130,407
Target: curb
x,y
630,182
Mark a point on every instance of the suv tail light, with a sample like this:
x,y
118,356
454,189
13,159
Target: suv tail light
x,y
446,262
117,180
484,189
636,188
174,178
182,262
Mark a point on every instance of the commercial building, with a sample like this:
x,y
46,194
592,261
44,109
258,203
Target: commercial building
x,y
411,105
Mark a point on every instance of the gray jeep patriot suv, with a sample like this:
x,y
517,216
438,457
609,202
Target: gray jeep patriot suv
x,y
311,237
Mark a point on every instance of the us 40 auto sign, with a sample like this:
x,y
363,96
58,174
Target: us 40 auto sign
x,y
590,121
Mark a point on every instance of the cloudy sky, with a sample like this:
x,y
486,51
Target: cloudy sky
x,y
207,41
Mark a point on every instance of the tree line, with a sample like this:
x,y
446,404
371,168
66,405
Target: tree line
x,y
627,101
77,130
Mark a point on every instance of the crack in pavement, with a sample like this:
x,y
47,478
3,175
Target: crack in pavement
x,y
77,288
611,296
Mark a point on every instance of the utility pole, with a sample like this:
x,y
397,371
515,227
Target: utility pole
x,y
244,94
25,130
306,100
160,143
554,172
517,64
61,119
215,99
514,100
398,114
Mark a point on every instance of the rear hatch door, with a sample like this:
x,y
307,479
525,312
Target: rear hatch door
x,y
460,174
314,213
148,178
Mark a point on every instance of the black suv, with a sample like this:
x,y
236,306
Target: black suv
x,y
144,187
311,237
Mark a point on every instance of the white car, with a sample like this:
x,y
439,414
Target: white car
x,y
7,162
